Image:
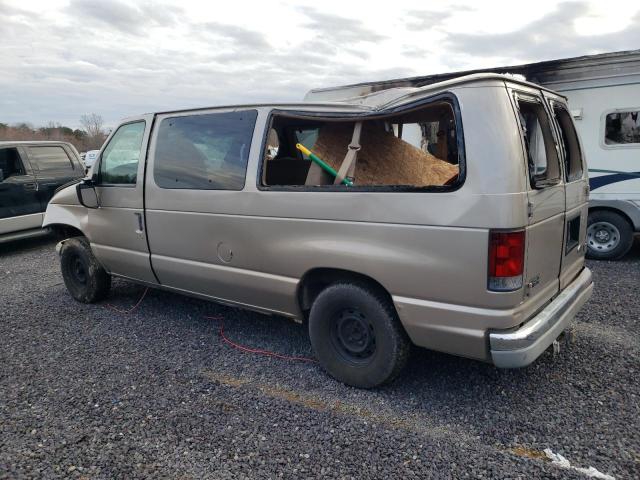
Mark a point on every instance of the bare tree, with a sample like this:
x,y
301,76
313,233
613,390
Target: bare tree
x,y
92,124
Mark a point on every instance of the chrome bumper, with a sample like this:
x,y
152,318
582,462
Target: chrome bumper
x,y
520,347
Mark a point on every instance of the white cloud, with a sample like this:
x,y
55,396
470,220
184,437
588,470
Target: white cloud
x,y
62,59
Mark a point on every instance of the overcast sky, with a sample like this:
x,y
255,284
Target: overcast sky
x,y
61,59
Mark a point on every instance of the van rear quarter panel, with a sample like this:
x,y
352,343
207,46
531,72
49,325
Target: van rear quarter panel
x,y
423,246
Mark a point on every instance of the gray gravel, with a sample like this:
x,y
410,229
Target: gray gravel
x,y
86,392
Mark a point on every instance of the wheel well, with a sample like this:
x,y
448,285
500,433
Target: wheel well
x,y
62,231
614,210
317,279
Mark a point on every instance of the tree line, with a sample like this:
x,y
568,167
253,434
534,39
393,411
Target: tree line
x,y
90,137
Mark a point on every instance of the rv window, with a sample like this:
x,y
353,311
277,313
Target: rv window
x,y
204,152
544,169
570,144
622,128
415,149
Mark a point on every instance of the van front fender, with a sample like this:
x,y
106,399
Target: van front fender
x,y
75,216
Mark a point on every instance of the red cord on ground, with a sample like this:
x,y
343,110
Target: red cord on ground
x,y
116,309
257,351
226,340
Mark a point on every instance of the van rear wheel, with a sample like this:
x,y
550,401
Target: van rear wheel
x,y
83,275
609,235
357,336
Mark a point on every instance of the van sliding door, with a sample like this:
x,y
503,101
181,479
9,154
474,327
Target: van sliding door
x,y
202,235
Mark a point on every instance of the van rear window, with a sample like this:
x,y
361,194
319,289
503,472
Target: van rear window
x,y
542,158
570,143
414,149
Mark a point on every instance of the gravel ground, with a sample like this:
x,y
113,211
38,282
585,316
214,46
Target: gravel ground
x,y
86,392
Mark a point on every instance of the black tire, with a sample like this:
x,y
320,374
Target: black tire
x,y
609,235
83,275
357,336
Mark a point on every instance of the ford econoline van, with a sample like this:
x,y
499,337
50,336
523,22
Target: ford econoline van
x,y
451,217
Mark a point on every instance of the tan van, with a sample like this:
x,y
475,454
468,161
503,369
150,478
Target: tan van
x,y
451,217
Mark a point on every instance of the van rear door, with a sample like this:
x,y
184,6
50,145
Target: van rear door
x,y
546,197
576,191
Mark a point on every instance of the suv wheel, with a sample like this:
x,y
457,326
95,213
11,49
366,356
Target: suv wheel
x,y
83,275
356,335
609,235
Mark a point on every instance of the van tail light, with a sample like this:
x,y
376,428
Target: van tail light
x,y
506,260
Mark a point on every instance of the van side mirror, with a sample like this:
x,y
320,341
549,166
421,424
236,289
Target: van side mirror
x,y
87,195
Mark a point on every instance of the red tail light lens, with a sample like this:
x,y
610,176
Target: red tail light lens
x,y
506,260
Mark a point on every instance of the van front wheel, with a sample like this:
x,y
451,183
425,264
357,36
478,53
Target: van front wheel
x,y
356,335
83,275
609,235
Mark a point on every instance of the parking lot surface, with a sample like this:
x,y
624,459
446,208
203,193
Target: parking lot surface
x,y
88,392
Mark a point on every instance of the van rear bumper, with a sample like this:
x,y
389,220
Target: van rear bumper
x,y
519,347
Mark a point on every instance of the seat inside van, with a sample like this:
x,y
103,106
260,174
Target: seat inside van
x,y
415,149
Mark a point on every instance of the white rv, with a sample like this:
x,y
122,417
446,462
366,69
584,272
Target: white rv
x,y
604,96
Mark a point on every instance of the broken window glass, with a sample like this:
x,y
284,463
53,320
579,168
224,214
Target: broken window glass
x,y
414,149
544,168
570,144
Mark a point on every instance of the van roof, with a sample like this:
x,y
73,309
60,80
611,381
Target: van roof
x,y
350,100
352,92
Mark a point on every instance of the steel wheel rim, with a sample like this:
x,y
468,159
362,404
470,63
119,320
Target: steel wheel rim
x,y
353,336
603,237
78,270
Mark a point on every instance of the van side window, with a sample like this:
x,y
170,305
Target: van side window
x,y
416,149
204,152
622,128
50,159
570,143
120,158
544,169
10,163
